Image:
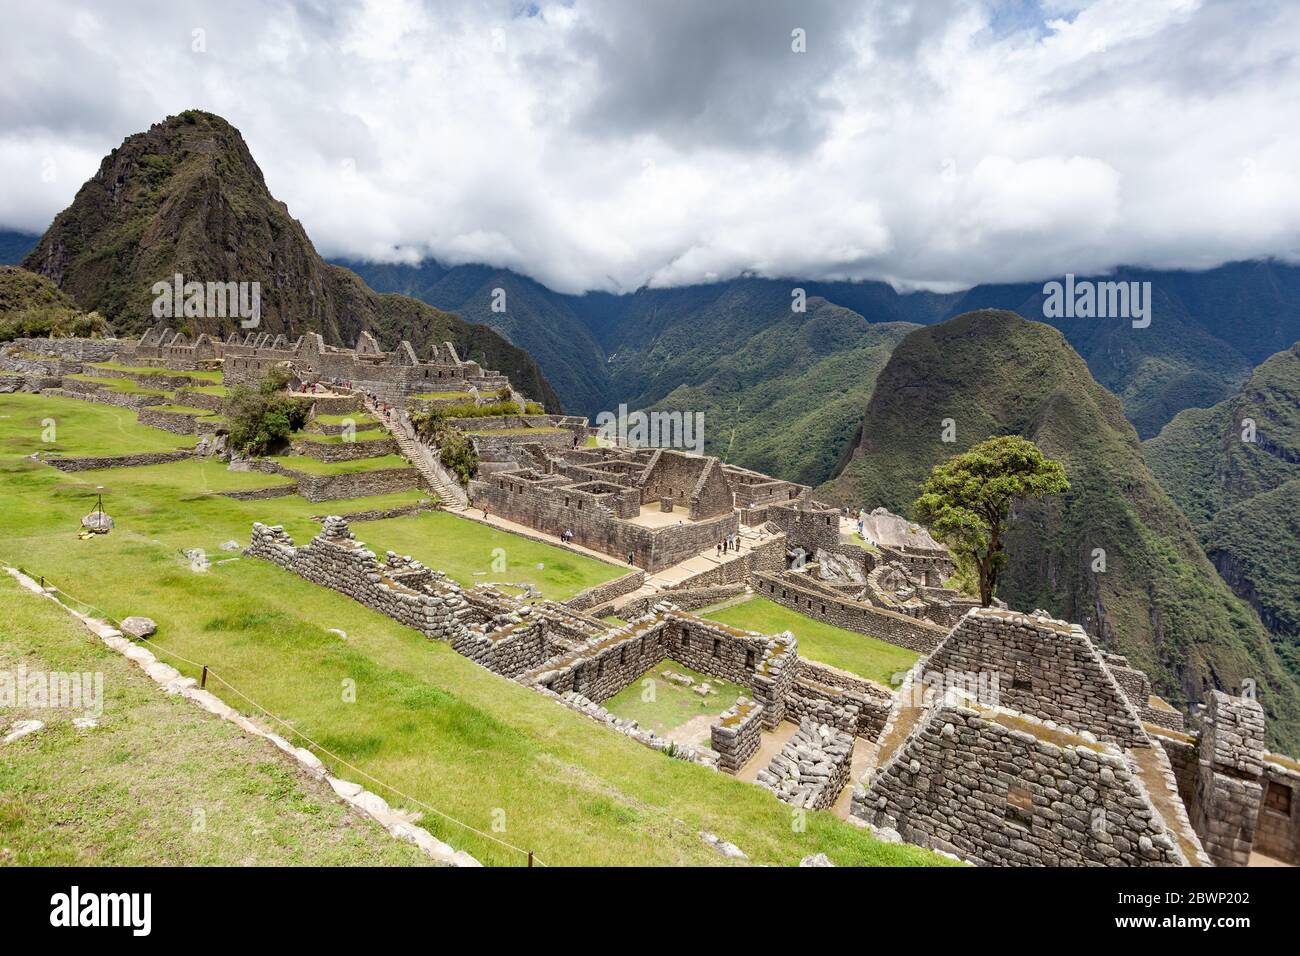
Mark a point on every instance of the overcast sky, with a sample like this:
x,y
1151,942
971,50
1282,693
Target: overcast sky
x,y
617,143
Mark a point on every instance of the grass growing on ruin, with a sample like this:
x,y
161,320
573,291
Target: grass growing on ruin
x,y
663,706
126,792
78,428
473,553
428,721
848,650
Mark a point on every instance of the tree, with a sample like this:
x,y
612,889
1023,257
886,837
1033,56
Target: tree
x,y
967,500
261,420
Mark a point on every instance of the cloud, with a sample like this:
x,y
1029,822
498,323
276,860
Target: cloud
x,y
602,144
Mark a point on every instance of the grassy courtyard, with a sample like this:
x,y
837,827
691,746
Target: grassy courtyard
x,y
662,706
473,553
848,650
126,792
424,719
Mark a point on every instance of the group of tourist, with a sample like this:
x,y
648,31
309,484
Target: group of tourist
x,y
567,535
730,543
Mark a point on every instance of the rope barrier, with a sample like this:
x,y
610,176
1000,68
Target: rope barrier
x,y
212,674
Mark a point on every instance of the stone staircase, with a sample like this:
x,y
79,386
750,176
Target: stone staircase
x,y
435,476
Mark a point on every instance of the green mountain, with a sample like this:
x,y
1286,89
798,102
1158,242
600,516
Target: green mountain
x,y
187,197
1158,599
32,305
1234,469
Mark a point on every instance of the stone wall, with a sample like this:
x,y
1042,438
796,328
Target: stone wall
x,y
815,684
361,484
607,591
737,734
1044,668
893,628
983,784
1277,828
90,463
336,560
178,423
1229,782
344,450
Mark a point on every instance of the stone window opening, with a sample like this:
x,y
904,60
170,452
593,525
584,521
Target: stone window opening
x,y
717,647
1021,681
749,658
1278,798
686,638
1020,806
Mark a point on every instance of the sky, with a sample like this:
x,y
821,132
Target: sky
x,y
613,144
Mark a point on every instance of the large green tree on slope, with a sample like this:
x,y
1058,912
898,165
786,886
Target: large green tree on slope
x,y
967,499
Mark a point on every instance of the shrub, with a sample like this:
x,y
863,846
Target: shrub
x,y
458,456
52,320
261,421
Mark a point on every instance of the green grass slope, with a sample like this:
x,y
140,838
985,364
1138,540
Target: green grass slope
x,y
1159,599
158,782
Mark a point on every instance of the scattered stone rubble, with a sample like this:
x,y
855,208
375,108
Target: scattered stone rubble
x,y
811,768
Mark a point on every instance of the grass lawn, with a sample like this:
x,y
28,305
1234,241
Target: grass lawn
x,y
848,650
445,396
78,428
672,705
428,721
466,550
125,793
313,466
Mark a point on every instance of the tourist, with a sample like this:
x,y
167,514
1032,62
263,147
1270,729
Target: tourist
x,y
717,550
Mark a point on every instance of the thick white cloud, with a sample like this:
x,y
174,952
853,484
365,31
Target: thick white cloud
x,y
606,144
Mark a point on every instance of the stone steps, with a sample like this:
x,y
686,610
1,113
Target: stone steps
x,y
452,495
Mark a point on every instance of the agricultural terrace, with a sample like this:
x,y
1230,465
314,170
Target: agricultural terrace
x,y
406,710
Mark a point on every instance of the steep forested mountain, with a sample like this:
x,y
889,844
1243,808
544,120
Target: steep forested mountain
x,y
1234,469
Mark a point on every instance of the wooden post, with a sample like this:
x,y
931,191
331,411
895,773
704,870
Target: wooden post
x,y
203,678
530,859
